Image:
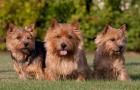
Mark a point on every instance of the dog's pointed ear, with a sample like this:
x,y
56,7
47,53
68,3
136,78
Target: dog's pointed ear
x,y
106,28
10,27
31,29
75,25
54,23
123,28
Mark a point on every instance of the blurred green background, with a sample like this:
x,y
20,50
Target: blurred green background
x,y
93,15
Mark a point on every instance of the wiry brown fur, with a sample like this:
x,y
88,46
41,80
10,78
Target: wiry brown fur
x,y
70,66
27,53
109,60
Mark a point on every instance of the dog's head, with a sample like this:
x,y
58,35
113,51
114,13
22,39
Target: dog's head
x,y
21,39
111,40
61,39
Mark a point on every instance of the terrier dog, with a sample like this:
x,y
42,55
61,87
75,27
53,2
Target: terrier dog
x,y
64,48
109,60
28,54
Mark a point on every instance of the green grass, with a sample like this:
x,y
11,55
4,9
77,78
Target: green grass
x,y
9,80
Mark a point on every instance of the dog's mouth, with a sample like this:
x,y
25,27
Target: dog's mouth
x,y
63,52
25,50
118,52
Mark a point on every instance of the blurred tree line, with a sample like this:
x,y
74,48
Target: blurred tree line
x,y
93,15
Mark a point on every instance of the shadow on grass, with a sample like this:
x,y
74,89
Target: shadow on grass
x,y
8,78
3,71
133,63
7,74
135,77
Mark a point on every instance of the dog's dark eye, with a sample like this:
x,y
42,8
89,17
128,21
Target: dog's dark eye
x,y
112,39
58,36
18,37
124,40
28,38
69,36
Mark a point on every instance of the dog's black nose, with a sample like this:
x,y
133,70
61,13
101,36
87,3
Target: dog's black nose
x,y
26,44
120,47
63,45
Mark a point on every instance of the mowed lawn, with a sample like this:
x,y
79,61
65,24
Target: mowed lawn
x,y
9,80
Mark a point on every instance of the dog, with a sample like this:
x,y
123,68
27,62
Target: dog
x,y
64,47
109,60
28,54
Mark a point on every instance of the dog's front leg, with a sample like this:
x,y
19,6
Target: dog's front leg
x,y
123,75
50,75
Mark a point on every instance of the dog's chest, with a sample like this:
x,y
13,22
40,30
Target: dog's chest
x,y
110,66
109,62
65,67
